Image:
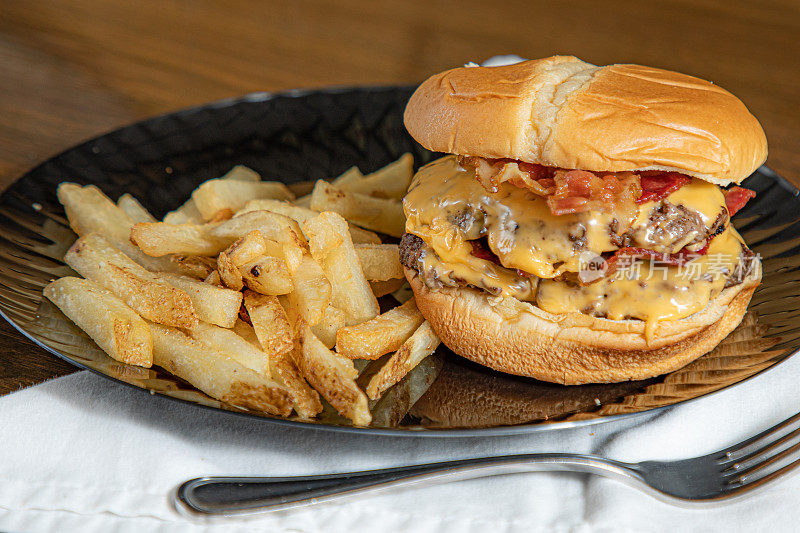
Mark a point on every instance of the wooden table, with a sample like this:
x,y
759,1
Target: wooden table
x,y
72,69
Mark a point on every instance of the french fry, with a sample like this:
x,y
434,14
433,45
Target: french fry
x,y
332,248
312,290
216,373
197,266
420,345
96,259
158,239
247,248
391,181
185,214
222,215
390,286
404,293
305,399
332,376
380,262
267,275
303,201
114,326
301,214
228,273
376,214
229,342
270,323
134,209
214,195
188,212
301,188
242,173
272,226
213,279
396,402
332,320
381,335
212,303
351,175
91,211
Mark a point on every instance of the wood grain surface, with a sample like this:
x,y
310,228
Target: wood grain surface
x,y
72,69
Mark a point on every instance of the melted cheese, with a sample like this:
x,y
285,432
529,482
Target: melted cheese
x,y
446,206
703,197
656,291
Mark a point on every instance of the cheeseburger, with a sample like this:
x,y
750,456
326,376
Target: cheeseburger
x,y
580,230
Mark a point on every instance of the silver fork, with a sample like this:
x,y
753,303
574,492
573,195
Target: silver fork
x,y
717,476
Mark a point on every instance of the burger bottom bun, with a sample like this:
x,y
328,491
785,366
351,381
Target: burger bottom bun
x,y
516,337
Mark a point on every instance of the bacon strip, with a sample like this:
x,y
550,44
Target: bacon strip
x,y
481,250
579,190
677,259
657,186
736,198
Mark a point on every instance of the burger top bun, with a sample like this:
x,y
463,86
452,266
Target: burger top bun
x,y
563,112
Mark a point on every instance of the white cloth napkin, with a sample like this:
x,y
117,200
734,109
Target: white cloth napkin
x,y
82,453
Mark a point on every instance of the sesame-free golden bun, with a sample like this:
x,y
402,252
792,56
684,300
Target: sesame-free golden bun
x,y
563,112
520,338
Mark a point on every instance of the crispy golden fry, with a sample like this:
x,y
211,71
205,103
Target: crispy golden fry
x,y
333,249
305,399
228,272
229,342
284,370
301,214
404,293
312,290
188,212
197,266
213,279
272,226
91,211
391,181
222,215
332,320
185,214
380,262
246,249
217,373
96,259
351,175
242,173
420,345
382,288
271,325
303,201
159,239
332,376
213,304
134,209
214,195
301,188
267,275
114,326
381,335
396,402
376,214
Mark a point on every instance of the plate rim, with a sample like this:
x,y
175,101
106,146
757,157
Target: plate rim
x,y
421,431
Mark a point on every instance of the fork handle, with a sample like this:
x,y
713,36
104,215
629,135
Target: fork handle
x,y
246,495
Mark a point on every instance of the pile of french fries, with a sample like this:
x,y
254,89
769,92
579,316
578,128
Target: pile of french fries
x,y
259,299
